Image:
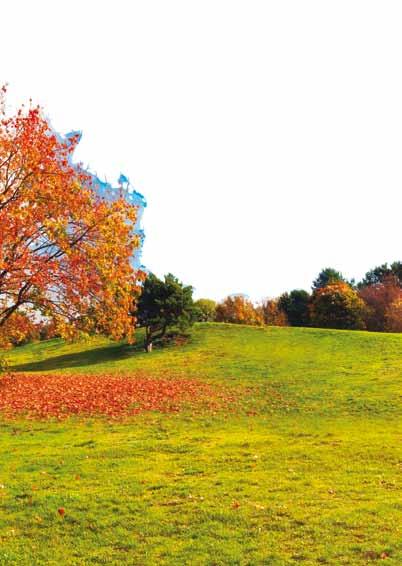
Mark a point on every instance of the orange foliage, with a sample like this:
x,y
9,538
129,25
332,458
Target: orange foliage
x,y
63,251
393,316
238,310
18,329
380,299
272,314
42,396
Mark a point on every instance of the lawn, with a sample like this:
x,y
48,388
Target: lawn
x,y
302,469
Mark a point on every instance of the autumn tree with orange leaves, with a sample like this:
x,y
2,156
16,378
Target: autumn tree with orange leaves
x,y
64,252
272,314
237,309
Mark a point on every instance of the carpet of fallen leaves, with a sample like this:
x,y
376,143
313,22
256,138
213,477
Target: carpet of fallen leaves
x,y
60,396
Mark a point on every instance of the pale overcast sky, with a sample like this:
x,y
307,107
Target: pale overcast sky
x,y
265,135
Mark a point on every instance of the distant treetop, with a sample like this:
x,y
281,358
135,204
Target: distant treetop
x,y
327,276
381,272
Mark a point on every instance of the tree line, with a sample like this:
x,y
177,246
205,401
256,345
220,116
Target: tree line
x,y
374,304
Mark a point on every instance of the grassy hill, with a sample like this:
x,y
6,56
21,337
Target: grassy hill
x,y
305,470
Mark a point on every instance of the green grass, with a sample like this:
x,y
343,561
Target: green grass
x,y
312,478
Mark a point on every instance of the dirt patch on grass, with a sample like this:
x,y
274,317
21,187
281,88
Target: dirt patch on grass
x,y
40,396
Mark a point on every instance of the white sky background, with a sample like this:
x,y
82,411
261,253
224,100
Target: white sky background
x,y
266,135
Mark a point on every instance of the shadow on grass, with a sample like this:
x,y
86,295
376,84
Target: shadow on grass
x,y
78,359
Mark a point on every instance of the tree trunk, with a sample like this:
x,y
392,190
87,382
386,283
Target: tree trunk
x,y
150,337
148,340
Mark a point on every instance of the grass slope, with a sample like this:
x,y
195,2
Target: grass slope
x,y
311,479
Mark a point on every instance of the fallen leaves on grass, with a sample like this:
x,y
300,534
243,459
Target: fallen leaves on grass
x,y
60,396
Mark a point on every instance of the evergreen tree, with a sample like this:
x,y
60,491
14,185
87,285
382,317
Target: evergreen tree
x,y
163,305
